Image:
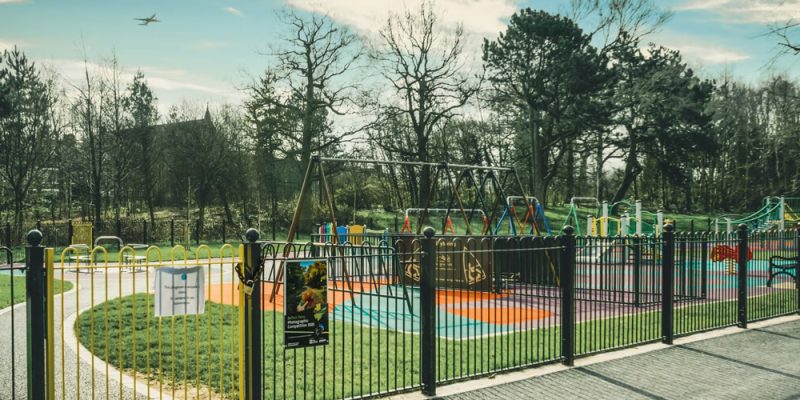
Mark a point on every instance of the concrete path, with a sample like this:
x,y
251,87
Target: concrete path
x,y
758,363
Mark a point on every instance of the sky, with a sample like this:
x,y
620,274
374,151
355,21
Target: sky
x,y
205,51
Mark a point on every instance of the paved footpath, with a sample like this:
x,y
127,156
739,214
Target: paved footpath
x,y
759,363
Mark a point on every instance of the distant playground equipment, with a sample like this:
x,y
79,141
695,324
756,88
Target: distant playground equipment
x,y
352,234
729,255
775,213
447,221
531,224
599,220
464,190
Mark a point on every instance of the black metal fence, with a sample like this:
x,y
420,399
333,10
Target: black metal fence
x,y
13,383
415,312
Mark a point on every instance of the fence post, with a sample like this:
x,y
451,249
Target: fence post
x,y
742,275
797,265
704,265
223,231
8,236
39,225
35,307
172,232
667,283
144,232
197,232
119,228
427,299
567,280
251,320
70,231
637,269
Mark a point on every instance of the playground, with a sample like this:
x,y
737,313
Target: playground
x,y
495,289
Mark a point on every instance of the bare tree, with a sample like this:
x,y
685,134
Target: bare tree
x,y
616,20
89,121
424,64
786,34
118,122
316,56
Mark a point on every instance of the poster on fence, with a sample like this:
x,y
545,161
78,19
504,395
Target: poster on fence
x,y
305,303
179,291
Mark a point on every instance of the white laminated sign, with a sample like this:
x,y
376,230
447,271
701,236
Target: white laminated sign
x,y
179,291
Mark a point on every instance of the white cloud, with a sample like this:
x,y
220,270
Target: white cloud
x,y
160,80
753,11
235,11
8,44
710,55
478,16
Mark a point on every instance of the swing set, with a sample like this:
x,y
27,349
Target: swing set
x,y
447,221
488,184
531,220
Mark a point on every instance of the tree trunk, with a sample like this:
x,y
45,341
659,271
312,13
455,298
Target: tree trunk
x,y
570,178
538,160
632,170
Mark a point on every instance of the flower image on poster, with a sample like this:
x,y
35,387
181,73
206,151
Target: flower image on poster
x,y
306,303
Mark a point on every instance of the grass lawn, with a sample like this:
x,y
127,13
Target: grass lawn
x,y
556,216
18,282
201,350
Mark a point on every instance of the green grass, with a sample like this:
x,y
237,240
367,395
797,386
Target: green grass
x,y
200,349
18,282
556,216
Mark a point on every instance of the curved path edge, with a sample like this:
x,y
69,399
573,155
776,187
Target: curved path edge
x,y
100,366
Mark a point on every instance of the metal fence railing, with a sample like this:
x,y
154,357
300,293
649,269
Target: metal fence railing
x,y
13,329
379,317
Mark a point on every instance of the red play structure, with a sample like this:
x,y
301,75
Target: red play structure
x,y
724,252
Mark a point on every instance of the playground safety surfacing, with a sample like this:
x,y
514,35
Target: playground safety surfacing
x,y
461,314
467,314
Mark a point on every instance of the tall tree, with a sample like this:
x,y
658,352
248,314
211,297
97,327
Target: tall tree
x,y
27,129
118,122
93,130
141,104
675,121
424,64
317,55
544,70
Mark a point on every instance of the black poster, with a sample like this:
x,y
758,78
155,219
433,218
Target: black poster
x,y
305,303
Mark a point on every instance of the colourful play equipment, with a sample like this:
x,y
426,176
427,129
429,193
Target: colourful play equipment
x,y
353,234
729,255
531,224
776,212
447,221
591,217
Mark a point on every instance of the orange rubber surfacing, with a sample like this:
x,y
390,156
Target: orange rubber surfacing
x,y
500,315
464,303
228,293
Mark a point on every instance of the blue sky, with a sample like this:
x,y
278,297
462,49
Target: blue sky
x,y
204,50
